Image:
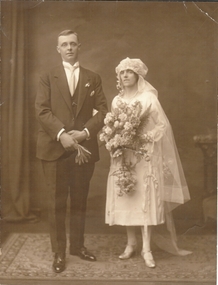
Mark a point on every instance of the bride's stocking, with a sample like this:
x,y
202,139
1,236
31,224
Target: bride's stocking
x,y
131,236
146,239
146,251
131,243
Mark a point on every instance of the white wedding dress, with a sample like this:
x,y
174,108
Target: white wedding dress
x,y
161,185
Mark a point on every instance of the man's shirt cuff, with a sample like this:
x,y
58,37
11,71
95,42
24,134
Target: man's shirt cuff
x,y
59,134
88,133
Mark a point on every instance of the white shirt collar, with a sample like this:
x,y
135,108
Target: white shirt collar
x,y
69,66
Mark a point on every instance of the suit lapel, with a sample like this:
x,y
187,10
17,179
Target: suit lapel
x,y
83,88
62,84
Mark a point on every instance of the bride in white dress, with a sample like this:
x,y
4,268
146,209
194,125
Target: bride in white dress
x,y
159,184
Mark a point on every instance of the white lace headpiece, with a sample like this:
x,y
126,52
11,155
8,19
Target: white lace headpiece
x,y
134,64
139,68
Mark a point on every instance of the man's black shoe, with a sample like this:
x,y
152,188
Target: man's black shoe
x,y
59,262
83,253
86,255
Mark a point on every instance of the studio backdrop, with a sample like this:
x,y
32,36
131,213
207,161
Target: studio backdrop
x,y
176,40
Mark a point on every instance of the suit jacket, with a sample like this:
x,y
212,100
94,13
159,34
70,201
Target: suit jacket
x,y
54,111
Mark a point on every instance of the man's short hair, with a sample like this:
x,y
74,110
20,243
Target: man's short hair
x,y
68,32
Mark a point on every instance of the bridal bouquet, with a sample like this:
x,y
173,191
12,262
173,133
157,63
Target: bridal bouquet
x,y
124,130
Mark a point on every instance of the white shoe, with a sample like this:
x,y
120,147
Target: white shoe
x,y
148,258
129,251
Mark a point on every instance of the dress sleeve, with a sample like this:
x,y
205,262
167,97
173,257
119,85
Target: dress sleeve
x,y
159,120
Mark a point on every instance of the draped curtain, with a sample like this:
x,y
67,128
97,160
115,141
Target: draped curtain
x,y
15,163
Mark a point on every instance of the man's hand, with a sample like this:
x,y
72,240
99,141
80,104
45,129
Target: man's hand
x,y
79,136
68,142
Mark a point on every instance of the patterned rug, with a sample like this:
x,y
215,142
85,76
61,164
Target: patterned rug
x,y
28,256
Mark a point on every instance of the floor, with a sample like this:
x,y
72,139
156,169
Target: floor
x,y
95,224
33,282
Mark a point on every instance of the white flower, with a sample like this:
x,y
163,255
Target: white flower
x,y
121,124
116,124
119,103
102,137
109,118
122,117
127,126
108,131
108,146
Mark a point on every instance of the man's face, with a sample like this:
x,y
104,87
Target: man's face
x,y
68,47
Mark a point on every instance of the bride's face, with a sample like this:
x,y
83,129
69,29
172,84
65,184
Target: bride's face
x,y
128,78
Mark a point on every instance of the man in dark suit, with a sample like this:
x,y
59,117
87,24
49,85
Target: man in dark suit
x,y
66,98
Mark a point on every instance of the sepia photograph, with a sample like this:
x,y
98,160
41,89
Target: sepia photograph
x,y
108,143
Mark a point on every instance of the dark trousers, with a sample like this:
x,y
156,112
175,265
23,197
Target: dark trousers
x,y
64,177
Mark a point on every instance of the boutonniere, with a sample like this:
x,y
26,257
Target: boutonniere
x,y
92,93
87,85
